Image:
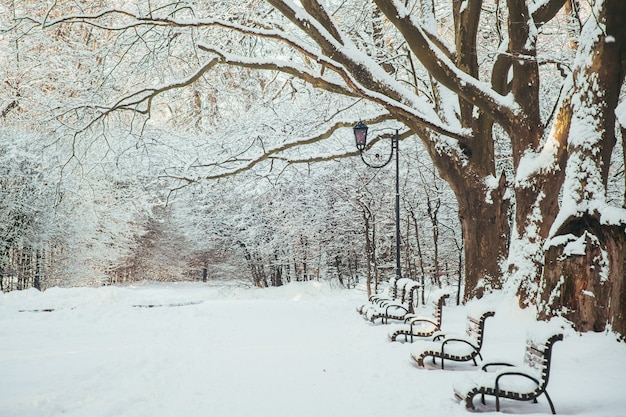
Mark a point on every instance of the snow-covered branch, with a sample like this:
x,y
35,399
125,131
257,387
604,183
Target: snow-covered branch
x,y
441,67
300,72
145,96
275,153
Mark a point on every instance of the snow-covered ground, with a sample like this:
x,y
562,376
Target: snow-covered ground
x,y
226,351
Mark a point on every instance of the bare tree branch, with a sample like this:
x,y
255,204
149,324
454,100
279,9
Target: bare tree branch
x,y
274,154
133,101
284,67
357,74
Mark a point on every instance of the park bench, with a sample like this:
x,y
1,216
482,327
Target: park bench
x,y
398,308
420,326
523,382
388,295
457,348
395,293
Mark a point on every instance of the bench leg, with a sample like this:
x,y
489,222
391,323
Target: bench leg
x,y
550,402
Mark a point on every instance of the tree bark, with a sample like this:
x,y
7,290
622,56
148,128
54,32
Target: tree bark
x,y
587,286
484,221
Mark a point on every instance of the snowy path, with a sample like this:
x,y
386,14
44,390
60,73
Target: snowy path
x,y
296,351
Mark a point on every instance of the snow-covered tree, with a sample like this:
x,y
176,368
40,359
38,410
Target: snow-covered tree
x,y
33,228
462,76
24,198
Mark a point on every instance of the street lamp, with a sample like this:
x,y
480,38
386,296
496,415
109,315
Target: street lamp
x,y
360,137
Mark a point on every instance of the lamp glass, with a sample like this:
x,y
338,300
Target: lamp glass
x,y
360,135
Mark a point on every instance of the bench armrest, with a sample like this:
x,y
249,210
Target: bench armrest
x,y
447,340
421,320
438,336
487,365
515,373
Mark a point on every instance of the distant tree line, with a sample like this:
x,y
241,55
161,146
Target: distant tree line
x,y
334,222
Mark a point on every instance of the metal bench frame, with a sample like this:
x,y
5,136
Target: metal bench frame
x,y
475,333
410,331
537,357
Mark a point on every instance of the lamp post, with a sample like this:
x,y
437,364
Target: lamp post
x,y
360,136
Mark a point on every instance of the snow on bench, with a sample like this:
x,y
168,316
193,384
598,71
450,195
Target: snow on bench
x,y
420,326
523,382
459,348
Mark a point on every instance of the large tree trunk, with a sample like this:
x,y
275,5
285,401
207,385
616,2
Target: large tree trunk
x,y
584,277
486,232
584,272
536,189
483,207
484,216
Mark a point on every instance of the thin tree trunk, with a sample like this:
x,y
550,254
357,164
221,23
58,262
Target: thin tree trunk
x,y
368,254
419,254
